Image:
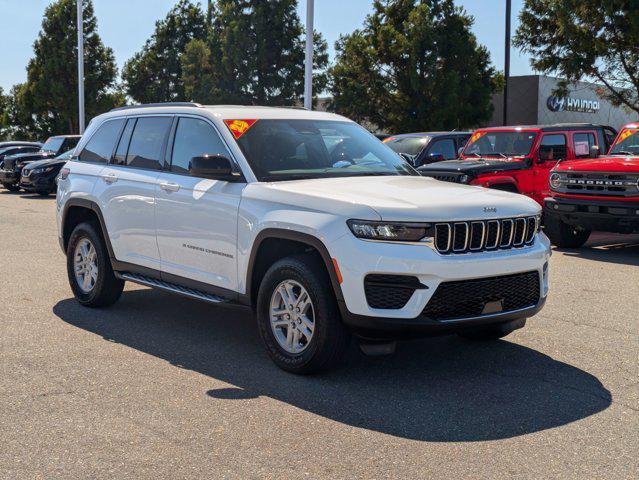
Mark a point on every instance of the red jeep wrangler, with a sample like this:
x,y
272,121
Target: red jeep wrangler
x,y
595,194
519,159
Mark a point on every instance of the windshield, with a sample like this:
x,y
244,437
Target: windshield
x,y
294,149
500,144
53,144
408,145
627,143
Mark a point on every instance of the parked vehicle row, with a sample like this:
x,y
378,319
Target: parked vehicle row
x,y
323,231
39,179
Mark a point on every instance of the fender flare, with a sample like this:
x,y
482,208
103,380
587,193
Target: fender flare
x,y
89,205
301,237
492,181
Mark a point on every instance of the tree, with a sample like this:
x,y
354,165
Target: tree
x,y
155,73
254,54
4,103
47,103
596,39
415,65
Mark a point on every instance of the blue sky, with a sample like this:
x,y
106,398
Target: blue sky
x,y
124,25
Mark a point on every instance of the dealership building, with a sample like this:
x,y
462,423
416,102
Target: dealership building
x,y
531,102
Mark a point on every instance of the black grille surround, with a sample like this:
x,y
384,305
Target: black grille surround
x,y
390,292
485,235
597,183
461,299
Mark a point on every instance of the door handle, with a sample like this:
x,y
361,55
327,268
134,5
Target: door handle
x,y
110,178
169,186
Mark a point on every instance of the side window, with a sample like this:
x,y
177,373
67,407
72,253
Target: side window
x,y
147,142
445,147
194,137
582,143
120,153
100,147
553,147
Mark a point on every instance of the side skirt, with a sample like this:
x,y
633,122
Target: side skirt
x,y
171,287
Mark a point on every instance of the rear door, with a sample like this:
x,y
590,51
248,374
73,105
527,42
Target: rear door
x,y
126,190
583,141
196,217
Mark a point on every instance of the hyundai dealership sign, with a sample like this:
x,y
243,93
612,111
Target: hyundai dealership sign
x,y
571,104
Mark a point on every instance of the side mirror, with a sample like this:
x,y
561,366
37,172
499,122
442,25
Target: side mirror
x,y
459,151
593,152
213,167
435,157
543,155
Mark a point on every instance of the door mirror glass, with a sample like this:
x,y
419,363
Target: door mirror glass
x,y
594,151
214,167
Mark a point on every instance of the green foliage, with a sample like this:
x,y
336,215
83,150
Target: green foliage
x,y
415,65
254,55
47,103
155,73
578,39
4,103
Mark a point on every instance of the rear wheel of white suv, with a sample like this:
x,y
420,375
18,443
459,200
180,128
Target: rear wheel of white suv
x,y
298,318
89,268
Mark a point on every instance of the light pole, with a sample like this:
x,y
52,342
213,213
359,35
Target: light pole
x,y
308,63
80,69
507,62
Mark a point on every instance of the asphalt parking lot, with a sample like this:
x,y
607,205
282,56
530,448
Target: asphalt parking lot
x,y
159,386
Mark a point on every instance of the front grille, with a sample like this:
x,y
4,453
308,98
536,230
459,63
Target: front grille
x,y
390,291
469,298
609,184
477,236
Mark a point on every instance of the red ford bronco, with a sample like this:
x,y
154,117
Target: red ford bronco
x,y
519,159
600,193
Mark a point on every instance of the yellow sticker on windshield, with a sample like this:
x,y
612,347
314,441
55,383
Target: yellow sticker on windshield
x,y
239,127
626,133
476,136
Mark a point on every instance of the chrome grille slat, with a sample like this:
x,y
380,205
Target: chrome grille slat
x,y
483,235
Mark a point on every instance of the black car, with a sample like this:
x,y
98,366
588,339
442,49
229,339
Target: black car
x,y
428,147
7,150
40,176
11,170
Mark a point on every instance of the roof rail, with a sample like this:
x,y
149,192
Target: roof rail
x,y
165,104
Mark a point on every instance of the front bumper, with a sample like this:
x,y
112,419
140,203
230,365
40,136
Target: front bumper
x,y
358,258
37,182
600,215
9,177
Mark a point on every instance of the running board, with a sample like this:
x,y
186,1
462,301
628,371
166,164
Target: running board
x,y
171,287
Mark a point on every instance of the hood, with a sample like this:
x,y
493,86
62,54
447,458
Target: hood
x,y
399,198
45,163
621,164
476,166
11,160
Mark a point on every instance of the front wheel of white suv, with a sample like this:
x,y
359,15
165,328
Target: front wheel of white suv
x,y
298,318
89,268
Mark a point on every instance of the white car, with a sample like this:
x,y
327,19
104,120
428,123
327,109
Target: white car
x,y
303,216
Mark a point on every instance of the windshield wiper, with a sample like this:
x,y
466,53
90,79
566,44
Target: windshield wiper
x,y
625,152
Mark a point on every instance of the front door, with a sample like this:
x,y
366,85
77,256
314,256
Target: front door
x,y
553,148
197,218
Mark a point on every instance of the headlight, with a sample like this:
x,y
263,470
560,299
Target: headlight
x,y
390,231
41,170
555,181
464,179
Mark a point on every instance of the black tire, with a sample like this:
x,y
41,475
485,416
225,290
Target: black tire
x,y
11,187
107,288
563,235
44,193
492,332
330,338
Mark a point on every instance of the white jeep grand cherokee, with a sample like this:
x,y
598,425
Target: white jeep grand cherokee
x,y
303,216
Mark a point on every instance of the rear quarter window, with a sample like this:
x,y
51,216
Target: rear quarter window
x,y
100,146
